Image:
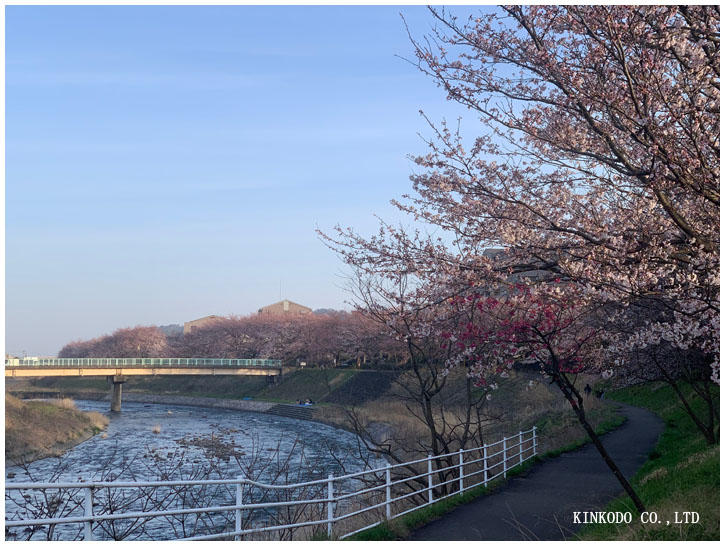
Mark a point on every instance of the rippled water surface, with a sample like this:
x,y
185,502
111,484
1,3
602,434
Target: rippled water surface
x,y
157,441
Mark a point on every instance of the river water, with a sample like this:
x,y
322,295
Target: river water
x,y
168,442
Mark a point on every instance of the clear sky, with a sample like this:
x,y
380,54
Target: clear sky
x,y
166,163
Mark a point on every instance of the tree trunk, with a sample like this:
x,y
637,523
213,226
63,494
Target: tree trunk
x,y
570,393
707,431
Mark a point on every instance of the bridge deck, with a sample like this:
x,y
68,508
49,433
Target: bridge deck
x,y
37,367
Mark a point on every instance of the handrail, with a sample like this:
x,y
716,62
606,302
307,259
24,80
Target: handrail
x,y
382,491
142,362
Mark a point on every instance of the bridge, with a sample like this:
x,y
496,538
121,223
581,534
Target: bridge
x,y
118,369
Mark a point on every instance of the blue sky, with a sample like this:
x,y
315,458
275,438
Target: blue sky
x,y
166,163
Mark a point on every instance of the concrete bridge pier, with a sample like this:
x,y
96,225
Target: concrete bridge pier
x,y
116,391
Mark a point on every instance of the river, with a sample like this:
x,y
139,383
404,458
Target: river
x,y
171,442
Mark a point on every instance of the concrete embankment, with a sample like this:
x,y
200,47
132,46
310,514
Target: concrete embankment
x,y
244,405
339,387
286,410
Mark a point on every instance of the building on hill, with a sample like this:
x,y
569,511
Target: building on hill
x,y
200,323
285,307
171,329
325,311
527,273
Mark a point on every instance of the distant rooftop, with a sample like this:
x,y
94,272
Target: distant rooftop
x,y
200,322
284,307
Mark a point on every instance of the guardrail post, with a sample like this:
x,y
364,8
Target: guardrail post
x,y
387,492
504,457
533,438
521,447
238,511
88,505
430,479
460,471
485,465
330,498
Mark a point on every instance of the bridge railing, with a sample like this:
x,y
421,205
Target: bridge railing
x,y
339,506
143,362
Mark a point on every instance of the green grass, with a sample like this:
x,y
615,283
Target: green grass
x,y
611,420
314,383
682,474
68,383
400,528
299,384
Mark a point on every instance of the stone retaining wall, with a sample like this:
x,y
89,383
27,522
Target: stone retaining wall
x,y
148,398
244,405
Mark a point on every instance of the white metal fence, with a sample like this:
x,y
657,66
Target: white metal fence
x,y
33,362
338,506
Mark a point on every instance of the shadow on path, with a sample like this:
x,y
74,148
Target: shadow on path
x,y
539,504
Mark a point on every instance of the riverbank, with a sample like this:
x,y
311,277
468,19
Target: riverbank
x,y
538,504
336,386
36,429
171,399
681,476
152,442
520,403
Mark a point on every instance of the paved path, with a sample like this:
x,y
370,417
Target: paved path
x,y
539,504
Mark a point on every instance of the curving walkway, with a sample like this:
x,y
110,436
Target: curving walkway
x,y
539,504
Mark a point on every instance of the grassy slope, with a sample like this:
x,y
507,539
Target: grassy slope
x,y
38,429
562,427
683,474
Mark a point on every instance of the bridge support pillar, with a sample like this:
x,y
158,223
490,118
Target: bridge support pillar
x,y
116,391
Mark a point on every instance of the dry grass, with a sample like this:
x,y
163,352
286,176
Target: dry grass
x,y
34,430
520,402
659,473
699,457
386,416
65,403
98,420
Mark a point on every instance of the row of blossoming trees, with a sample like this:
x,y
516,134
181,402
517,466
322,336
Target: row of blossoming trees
x,y
596,175
327,339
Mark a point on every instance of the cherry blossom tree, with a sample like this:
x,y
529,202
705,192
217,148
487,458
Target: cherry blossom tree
x,y
601,157
597,163
666,361
139,341
323,340
548,327
76,349
414,315
147,341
